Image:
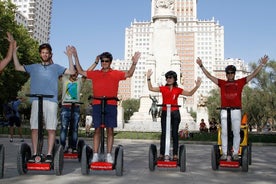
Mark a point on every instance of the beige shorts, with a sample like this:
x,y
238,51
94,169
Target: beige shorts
x,y
49,115
88,120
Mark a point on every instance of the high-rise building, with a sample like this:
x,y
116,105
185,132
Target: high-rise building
x,y
36,17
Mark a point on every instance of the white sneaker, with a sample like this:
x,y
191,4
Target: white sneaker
x,y
109,158
95,157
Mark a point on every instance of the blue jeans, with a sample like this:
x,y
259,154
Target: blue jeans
x,y
65,124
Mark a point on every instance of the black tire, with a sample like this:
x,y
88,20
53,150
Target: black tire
x,y
250,153
215,157
2,160
58,160
120,161
182,158
80,145
23,155
85,161
152,157
244,161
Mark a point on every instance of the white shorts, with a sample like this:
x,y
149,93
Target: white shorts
x,y
49,115
88,120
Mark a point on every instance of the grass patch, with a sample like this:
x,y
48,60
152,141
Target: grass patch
x,y
193,136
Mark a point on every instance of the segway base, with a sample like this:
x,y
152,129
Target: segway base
x,y
39,166
70,155
167,163
101,166
231,164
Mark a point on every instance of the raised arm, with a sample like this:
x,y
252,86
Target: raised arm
x,y
93,66
77,62
263,62
154,89
16,63
190,93
212,78
8,57
71,69
134,59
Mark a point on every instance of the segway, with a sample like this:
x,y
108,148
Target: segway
x,y
87,152
69,154
2,160
244,149
167,162
24,150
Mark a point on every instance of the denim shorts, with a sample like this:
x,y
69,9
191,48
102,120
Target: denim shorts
x,y
110,116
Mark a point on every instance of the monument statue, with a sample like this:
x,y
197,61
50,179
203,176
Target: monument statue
x,y
167,4
153,109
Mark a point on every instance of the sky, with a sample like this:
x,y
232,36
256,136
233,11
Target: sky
x,y
96,26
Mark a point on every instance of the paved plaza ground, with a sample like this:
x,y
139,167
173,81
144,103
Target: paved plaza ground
x,y
136,171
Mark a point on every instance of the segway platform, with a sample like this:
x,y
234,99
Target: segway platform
x,y
167,163
101,166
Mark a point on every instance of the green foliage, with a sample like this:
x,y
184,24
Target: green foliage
x,y
130,106
11,81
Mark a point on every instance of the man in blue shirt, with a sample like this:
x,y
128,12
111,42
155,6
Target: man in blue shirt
x,y
44,80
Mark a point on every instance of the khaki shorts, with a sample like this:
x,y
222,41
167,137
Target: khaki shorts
x,y
88,120
49,115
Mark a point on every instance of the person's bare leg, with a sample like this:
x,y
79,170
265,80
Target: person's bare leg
x,y
96,140
34,140
20,132
11,132
51,141
110,139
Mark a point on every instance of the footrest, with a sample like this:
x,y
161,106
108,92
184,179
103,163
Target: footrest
x,y
101,166
169,163
70,155
39,166
232,164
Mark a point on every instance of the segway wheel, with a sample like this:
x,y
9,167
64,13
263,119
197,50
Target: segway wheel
x,y
119,161
244,159
58,161
2,160
250,153
85,160
152,157
214,157
182,158
23,155
79,148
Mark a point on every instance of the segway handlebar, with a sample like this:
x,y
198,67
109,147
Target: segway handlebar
x,y
164,105
226,108
40,95
105,98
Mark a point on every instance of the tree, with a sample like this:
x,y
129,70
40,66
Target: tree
x,y
11,81
130,106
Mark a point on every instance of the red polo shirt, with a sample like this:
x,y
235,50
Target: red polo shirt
x,y
105,84
170,96
231,92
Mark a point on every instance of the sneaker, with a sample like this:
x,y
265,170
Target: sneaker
x,y
236,157
109,158
11,140
32,159
48,159
75,150
95,157
223,157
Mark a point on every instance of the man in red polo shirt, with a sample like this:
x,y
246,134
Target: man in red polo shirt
x,y
105,82
230,92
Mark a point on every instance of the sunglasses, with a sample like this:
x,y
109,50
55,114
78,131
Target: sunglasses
x,y
105,61
169,77
230,72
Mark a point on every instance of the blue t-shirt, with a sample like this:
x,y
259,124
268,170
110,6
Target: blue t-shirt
x,y
44,79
